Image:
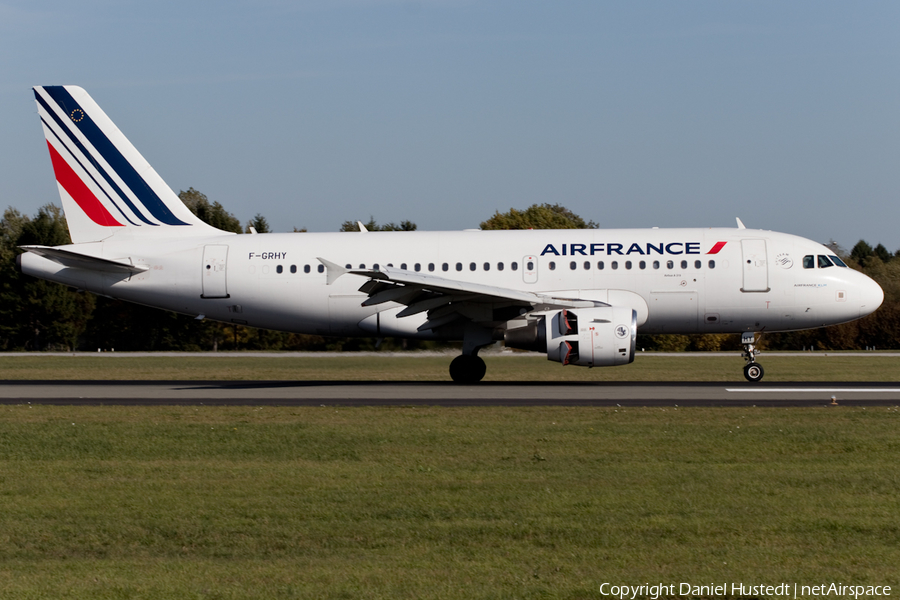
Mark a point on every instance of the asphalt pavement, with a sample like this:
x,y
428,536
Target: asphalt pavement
x,y
379,393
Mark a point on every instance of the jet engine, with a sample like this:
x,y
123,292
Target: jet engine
x,y
589,337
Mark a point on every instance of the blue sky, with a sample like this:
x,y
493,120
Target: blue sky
x,y
670,114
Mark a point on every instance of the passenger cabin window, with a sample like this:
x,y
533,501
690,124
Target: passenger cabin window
x,y
698,264
600,265
279,269
445,267
293,268
375,267
670,264
459,266
655,264
530,266
573,265
403,266
306,268
642,265
684,264
349,266
514,266
712,264
552,266
824,262
487,266
628,264
472,266
321,269
431,266
614,265
418,267
809,262
499,266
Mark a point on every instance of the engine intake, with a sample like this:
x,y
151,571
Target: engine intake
x,y
589,337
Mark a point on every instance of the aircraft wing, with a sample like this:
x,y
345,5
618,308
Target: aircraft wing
x,y
447,300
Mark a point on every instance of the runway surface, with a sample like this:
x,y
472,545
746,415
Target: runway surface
x,y
378,393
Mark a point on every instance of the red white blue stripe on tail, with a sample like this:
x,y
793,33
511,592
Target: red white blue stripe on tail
x,y
105,184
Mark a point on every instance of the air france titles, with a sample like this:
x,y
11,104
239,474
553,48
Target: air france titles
x,y
614,249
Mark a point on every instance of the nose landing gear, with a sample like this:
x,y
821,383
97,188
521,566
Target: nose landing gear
x,y
753,371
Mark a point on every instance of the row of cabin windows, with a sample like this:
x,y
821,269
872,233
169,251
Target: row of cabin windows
x,y
416,267
670,264
293,268
514,266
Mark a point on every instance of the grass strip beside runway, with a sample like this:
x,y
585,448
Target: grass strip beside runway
x,y
647,367
243,502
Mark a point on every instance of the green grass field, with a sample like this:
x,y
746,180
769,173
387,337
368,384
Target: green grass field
x,y
551,502
179,502
647,367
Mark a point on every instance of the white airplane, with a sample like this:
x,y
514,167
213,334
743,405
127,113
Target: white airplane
x,y
579,296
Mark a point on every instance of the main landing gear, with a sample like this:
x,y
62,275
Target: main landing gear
x,y
469,367
753,371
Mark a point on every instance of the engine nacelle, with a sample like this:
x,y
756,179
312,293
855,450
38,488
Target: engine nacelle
x,y
589,337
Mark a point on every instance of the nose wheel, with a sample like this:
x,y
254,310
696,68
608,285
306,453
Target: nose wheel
x,y
753,371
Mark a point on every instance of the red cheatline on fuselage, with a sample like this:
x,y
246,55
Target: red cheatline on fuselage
x,y
76,188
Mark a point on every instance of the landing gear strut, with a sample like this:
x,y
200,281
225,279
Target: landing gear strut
x,y
753,371
469,367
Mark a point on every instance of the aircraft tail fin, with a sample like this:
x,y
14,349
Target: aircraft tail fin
x,y
105,185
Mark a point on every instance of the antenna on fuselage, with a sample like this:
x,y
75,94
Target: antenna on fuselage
x,y
739,223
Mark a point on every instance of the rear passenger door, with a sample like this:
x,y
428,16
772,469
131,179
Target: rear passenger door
x,y
215,263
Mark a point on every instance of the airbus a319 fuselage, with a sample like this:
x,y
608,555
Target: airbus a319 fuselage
x,y
580,296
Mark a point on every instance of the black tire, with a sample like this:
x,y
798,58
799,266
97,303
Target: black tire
x,y
467,369
753,372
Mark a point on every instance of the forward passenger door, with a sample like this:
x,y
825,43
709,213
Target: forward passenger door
x,y
756,267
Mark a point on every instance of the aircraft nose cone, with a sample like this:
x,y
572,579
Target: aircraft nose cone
x,y
872,296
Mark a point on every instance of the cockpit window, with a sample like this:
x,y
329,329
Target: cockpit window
x,y
824,262
809,261
837,260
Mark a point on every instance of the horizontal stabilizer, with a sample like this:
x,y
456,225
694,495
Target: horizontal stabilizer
x,y
74,260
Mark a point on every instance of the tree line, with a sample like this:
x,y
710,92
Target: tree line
x,y
38,315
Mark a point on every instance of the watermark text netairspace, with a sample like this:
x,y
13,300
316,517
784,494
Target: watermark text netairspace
x,y
742,589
